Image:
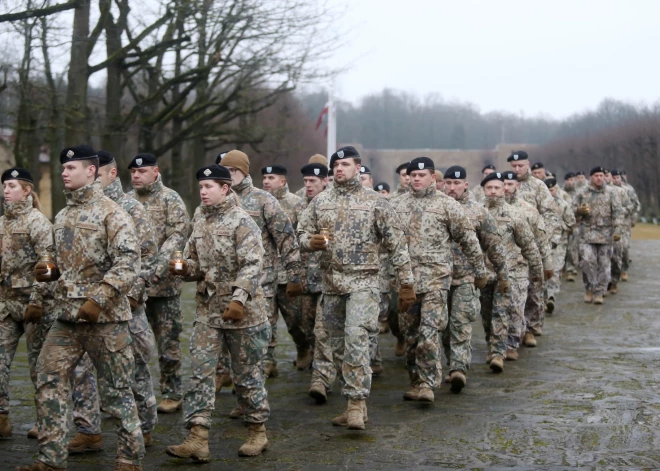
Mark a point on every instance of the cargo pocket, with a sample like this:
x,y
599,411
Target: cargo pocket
x,y
253,343
117,362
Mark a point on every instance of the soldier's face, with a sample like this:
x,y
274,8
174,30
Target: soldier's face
x,y
494,189
141,177
75,175
384,192
454,187
366,181
617,180
404,179
13,191
554,190
273,182
345,169
510,187
521,167
439,184
421,179
212,192
597,179
569,183
107,175
237,176
539,173
487,172
582,179
314,185
608,177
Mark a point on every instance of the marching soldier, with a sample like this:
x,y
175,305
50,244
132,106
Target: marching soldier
x,y
404,181
538,171
572,258
617,179
478,193
383,188
618,247
314,159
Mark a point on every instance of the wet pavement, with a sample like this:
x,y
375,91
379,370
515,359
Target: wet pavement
x,y
586,398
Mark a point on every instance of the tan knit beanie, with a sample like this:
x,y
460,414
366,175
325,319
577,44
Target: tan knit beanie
x,y
318,159
237,159
438,174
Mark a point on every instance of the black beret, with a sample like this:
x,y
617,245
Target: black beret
x,y
597,170
569,175
615,172
314,170
16,174
219,157
382,186
330,172
488,167
606,171
549,175
491,176
456,172
537,166
518,156
623,172
420,163
579,172
105,158
364,169
213,172
274,170
509,176
403,166
81,152
347,152
550,182
143,160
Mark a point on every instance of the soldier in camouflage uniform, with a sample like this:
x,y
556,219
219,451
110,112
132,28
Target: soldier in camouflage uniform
x,y
223,255
567,219
97,264
601,223
278,240
617,179
538,171
25,235
314,159
463,296
572,258
86,408
358,221
274,182
404,181
478,192
618,247
499,311
171,223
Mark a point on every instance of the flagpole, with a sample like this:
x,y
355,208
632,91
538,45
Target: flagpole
x,y
332,124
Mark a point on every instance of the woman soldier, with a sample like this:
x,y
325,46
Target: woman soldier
x,y
224,256
25,235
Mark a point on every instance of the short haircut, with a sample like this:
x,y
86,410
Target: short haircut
x,y
93,161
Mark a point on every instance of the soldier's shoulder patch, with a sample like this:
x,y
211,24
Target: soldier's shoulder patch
x,y
434,210
223,232
20,231
253,213
360,207
58,226
503,219
88,226
327,206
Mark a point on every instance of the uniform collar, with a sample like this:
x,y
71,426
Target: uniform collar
x,y
220,208
525,177
351,186
15,209
464,197
151,187
282,192
511,199
114,190
243,187
430,190
494,202
86,194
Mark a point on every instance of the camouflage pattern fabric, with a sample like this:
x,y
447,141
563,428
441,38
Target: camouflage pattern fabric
x,y
516,327
495,311
567,218
323,366
596,267
606,216
618,247
536,193
166,321
463,308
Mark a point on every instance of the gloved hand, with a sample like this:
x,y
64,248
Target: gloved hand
x,y
294,289
481,282
503,286
40,273
90,311
234,312
133,303
547,274
33,314
185,268
616,237
318,242
406,297
537,276
583,210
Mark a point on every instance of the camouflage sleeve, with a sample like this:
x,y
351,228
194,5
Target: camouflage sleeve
x,y
307,226
178,230
249,253
148,251
393,239
627,204
524,238
491,240
635,200
569,217
191,257
617,217
462,232
281,230
548,209
543,241
124,252
41,232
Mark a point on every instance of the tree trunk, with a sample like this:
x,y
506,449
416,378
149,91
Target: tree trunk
x,y
76,96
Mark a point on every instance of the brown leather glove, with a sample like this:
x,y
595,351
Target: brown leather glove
x,y
547,274
33,314
294,289
582,210
40,270
406,297
318,242
185,270
133,303
503,286
90,311
481,282
616,237
234,312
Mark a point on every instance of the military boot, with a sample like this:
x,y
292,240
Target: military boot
x,y
5,426
400,348
489,356
304,358
598,299
425,394
39,466
270,369
319,392
256,442
497,364
377,369
550,305
383,328
457,380
222,381
148,439
512,354
195,446
624,276
570,277
121,466
237,412
588,297
83,443
355,415
169,406
33,432
342,419
614,288
529,340
412,394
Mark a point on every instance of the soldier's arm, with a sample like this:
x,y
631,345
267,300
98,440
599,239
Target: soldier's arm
x,y
491,240
41,234
280,229
568,217
524,239
393,239
548,209
148,251
462,232
617,216
178,230
542,240
250,253
191,256
307,226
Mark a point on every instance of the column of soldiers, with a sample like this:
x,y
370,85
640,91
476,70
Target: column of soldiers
x,y
344,261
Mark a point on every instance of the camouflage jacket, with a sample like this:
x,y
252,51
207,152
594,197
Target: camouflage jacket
x,y
310,269
97,253
302,193
432,220
359,221
571,194
523,256
632,194
536,223
145,235
171,223
489,237
627,206
478,195
224,253
400,191
564,196
536,193
292,206
567,218
25,235
605,218
277,234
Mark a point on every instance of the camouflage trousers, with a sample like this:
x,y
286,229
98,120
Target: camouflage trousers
x,y
291,310
553,285
596,267
516,311
109,347
350,320
383,310
495,309
166,320
422,325
393,317
323,366
246,349
535,307
572,253
309,303
626,237
617,261
463,307
12,328
85,396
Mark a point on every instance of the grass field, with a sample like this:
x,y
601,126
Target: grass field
x,y
646,232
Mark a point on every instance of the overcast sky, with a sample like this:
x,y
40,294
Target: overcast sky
x,y
523,56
